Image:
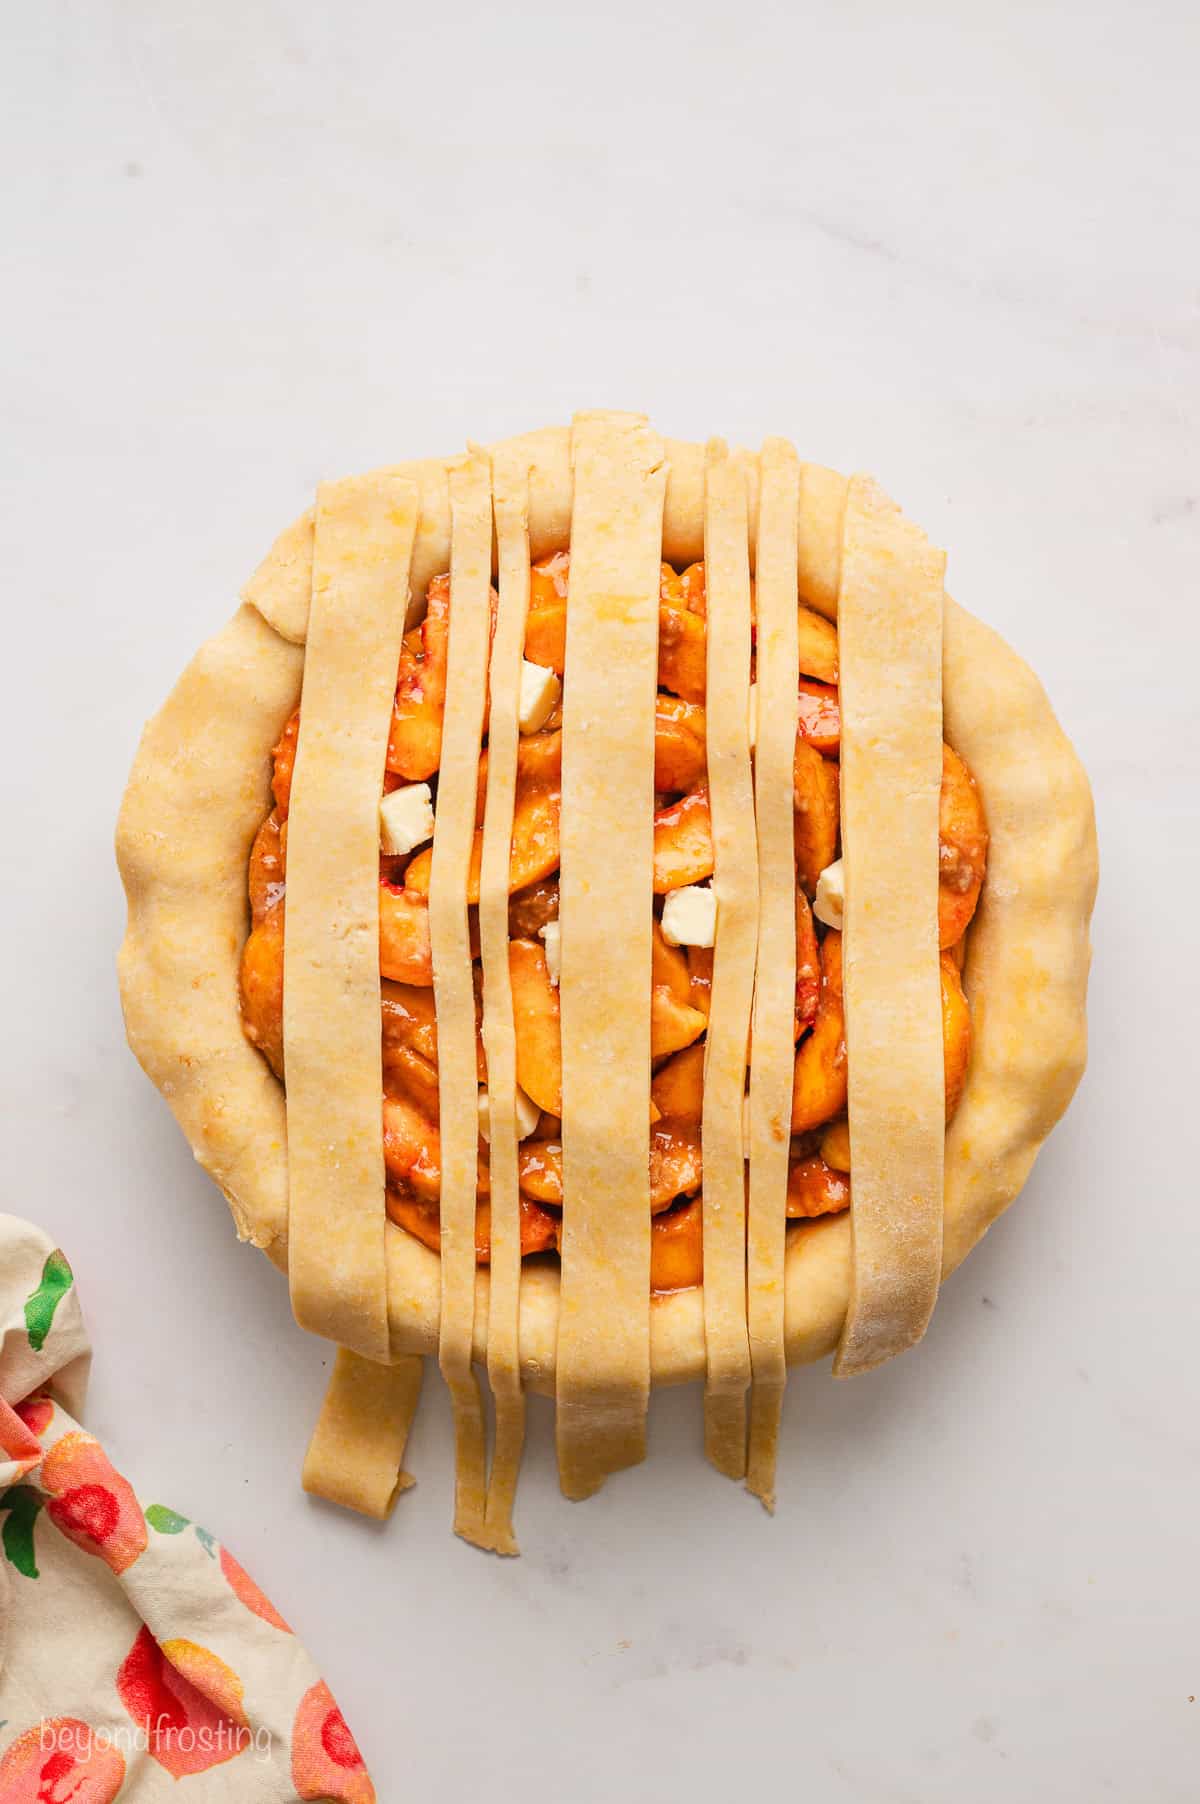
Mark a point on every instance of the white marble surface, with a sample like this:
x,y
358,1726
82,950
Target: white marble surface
x,y
251,244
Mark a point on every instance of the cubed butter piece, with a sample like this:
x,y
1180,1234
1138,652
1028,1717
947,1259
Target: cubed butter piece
x,y
689,916
540,690
830,898
551,938
405,819
528,1114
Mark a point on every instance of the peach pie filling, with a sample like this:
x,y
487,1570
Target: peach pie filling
x,y
684,915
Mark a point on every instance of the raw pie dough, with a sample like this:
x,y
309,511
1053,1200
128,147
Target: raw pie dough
x,y
200,789
603,1349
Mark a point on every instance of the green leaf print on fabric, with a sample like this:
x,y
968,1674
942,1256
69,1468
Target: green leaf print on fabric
x,y
23,1505
167,1522
57,1278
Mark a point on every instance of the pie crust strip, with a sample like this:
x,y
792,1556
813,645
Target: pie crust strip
x,y
510,501
735,883
777,679
356,1454
453,983
279,588
605,911
365,528
890,657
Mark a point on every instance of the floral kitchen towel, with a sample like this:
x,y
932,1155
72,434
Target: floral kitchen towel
x,y
138,1660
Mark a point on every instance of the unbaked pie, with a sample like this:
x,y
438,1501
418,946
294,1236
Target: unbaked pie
x,y
682,931
722,889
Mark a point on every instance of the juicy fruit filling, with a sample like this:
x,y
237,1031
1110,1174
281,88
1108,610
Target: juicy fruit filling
x,y
819,1171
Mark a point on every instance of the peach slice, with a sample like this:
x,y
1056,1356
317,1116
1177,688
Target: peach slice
x,y
680,757
539,765
405,954
818,646
819,1081
410,1024
835,1145
673,1024
423,1221
539,1229
417,1216
815,800
700,970
678,1087
408,1074
815,1189
535,840
668,966
808,965
676,1167
682,652
548,579
681,635
415,736
683,850
409,1020
546,623
260,984
677,1248
284,757
539,1165
693,588
546,635
821,1063
412,1148
820,715
536,1023
530,909
266,869
956,1033
674,1164
962,848
535,846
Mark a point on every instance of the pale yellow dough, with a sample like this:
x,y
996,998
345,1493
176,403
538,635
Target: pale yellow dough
x,y
453,975
201,786
890,663
777,663
356,1453
735,882
510,504
279,587
331,1008
603,1349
